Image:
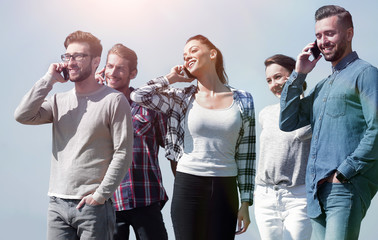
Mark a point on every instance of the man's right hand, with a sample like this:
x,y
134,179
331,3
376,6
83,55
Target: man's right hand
x,y
54,72
304,64
99,77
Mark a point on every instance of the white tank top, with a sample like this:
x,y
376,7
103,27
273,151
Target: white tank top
x,y
210,140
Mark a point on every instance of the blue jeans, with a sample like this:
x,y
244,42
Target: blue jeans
x,y
147,223
65,222
204,208
342,212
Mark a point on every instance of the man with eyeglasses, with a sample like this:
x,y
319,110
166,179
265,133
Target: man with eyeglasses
x,y
92,142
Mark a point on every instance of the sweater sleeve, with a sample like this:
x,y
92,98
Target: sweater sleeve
x,y
34,108
122,134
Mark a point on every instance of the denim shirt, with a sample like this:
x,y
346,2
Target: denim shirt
x,y
343,112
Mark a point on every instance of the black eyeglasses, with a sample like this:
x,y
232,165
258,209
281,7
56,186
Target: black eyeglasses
x,y
75,57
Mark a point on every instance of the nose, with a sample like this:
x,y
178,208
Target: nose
x,y
275,83
111,71
187,57
71,62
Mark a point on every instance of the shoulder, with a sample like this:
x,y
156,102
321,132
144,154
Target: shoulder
x,y
244,97
360,66
112,92
241,93
271,108
362,63
113,96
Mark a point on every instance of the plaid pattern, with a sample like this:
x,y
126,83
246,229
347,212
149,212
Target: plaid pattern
x,y
143,184
158,96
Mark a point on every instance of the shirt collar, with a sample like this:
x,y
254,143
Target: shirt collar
x,y
345,61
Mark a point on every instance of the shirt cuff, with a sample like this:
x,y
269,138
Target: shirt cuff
x,y
347,170
246,197
98,198
296,79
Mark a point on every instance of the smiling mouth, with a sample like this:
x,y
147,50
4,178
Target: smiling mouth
x,y
191,63
112,80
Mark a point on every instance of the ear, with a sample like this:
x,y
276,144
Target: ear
x,y
96,62
213,54
350,33
133,73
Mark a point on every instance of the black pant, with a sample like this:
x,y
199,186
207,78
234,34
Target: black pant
x,y
147,223
204,208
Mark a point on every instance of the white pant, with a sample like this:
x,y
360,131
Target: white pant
x,y
281,212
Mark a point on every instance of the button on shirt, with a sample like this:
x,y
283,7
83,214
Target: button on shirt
x,y
343,112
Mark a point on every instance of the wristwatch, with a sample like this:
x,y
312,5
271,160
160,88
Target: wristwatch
x,y
341,177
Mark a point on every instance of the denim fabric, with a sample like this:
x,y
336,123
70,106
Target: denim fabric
x,y
343,113
204,208
341,215
147,223
281,212
65,222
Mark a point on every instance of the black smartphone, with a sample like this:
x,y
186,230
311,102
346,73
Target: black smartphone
x,y
187,74
315,50
65,74
103,77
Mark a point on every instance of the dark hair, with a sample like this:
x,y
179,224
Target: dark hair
x,y
344,17
219,66
125,53
95,47
285,61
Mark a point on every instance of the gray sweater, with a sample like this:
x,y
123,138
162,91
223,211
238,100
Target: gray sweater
x,y
92,138
283,155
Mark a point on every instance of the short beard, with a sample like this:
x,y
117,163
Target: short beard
x,y
84,74
338,54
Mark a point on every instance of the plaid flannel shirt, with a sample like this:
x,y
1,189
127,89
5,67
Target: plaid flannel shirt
x,y
143,184
158,96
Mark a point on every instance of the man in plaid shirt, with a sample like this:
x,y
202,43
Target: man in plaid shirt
x,y
141,195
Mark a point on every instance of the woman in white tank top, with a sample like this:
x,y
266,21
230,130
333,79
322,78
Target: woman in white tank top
x,y
211,136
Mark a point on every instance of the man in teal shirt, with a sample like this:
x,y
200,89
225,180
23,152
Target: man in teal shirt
x,y
342,171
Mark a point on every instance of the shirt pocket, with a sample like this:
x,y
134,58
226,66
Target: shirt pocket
x,y
336,105
142,124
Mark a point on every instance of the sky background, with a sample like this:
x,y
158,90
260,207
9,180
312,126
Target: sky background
x,y
246,31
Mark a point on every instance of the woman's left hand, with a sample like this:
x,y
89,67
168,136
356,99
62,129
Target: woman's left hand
x,y
243,218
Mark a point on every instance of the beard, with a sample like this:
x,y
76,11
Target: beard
x,y
338,53
84,74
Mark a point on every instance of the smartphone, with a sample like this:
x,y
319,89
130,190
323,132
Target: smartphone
x,y
315,50
65,74
187,74
103,77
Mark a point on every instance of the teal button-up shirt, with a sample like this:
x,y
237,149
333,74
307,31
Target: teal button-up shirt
x,y
343,112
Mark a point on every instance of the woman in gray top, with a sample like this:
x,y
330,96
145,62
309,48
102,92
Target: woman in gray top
x,y
280,196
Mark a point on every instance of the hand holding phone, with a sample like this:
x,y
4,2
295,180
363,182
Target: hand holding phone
x,y
315,50
65,73
100,77
186,73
